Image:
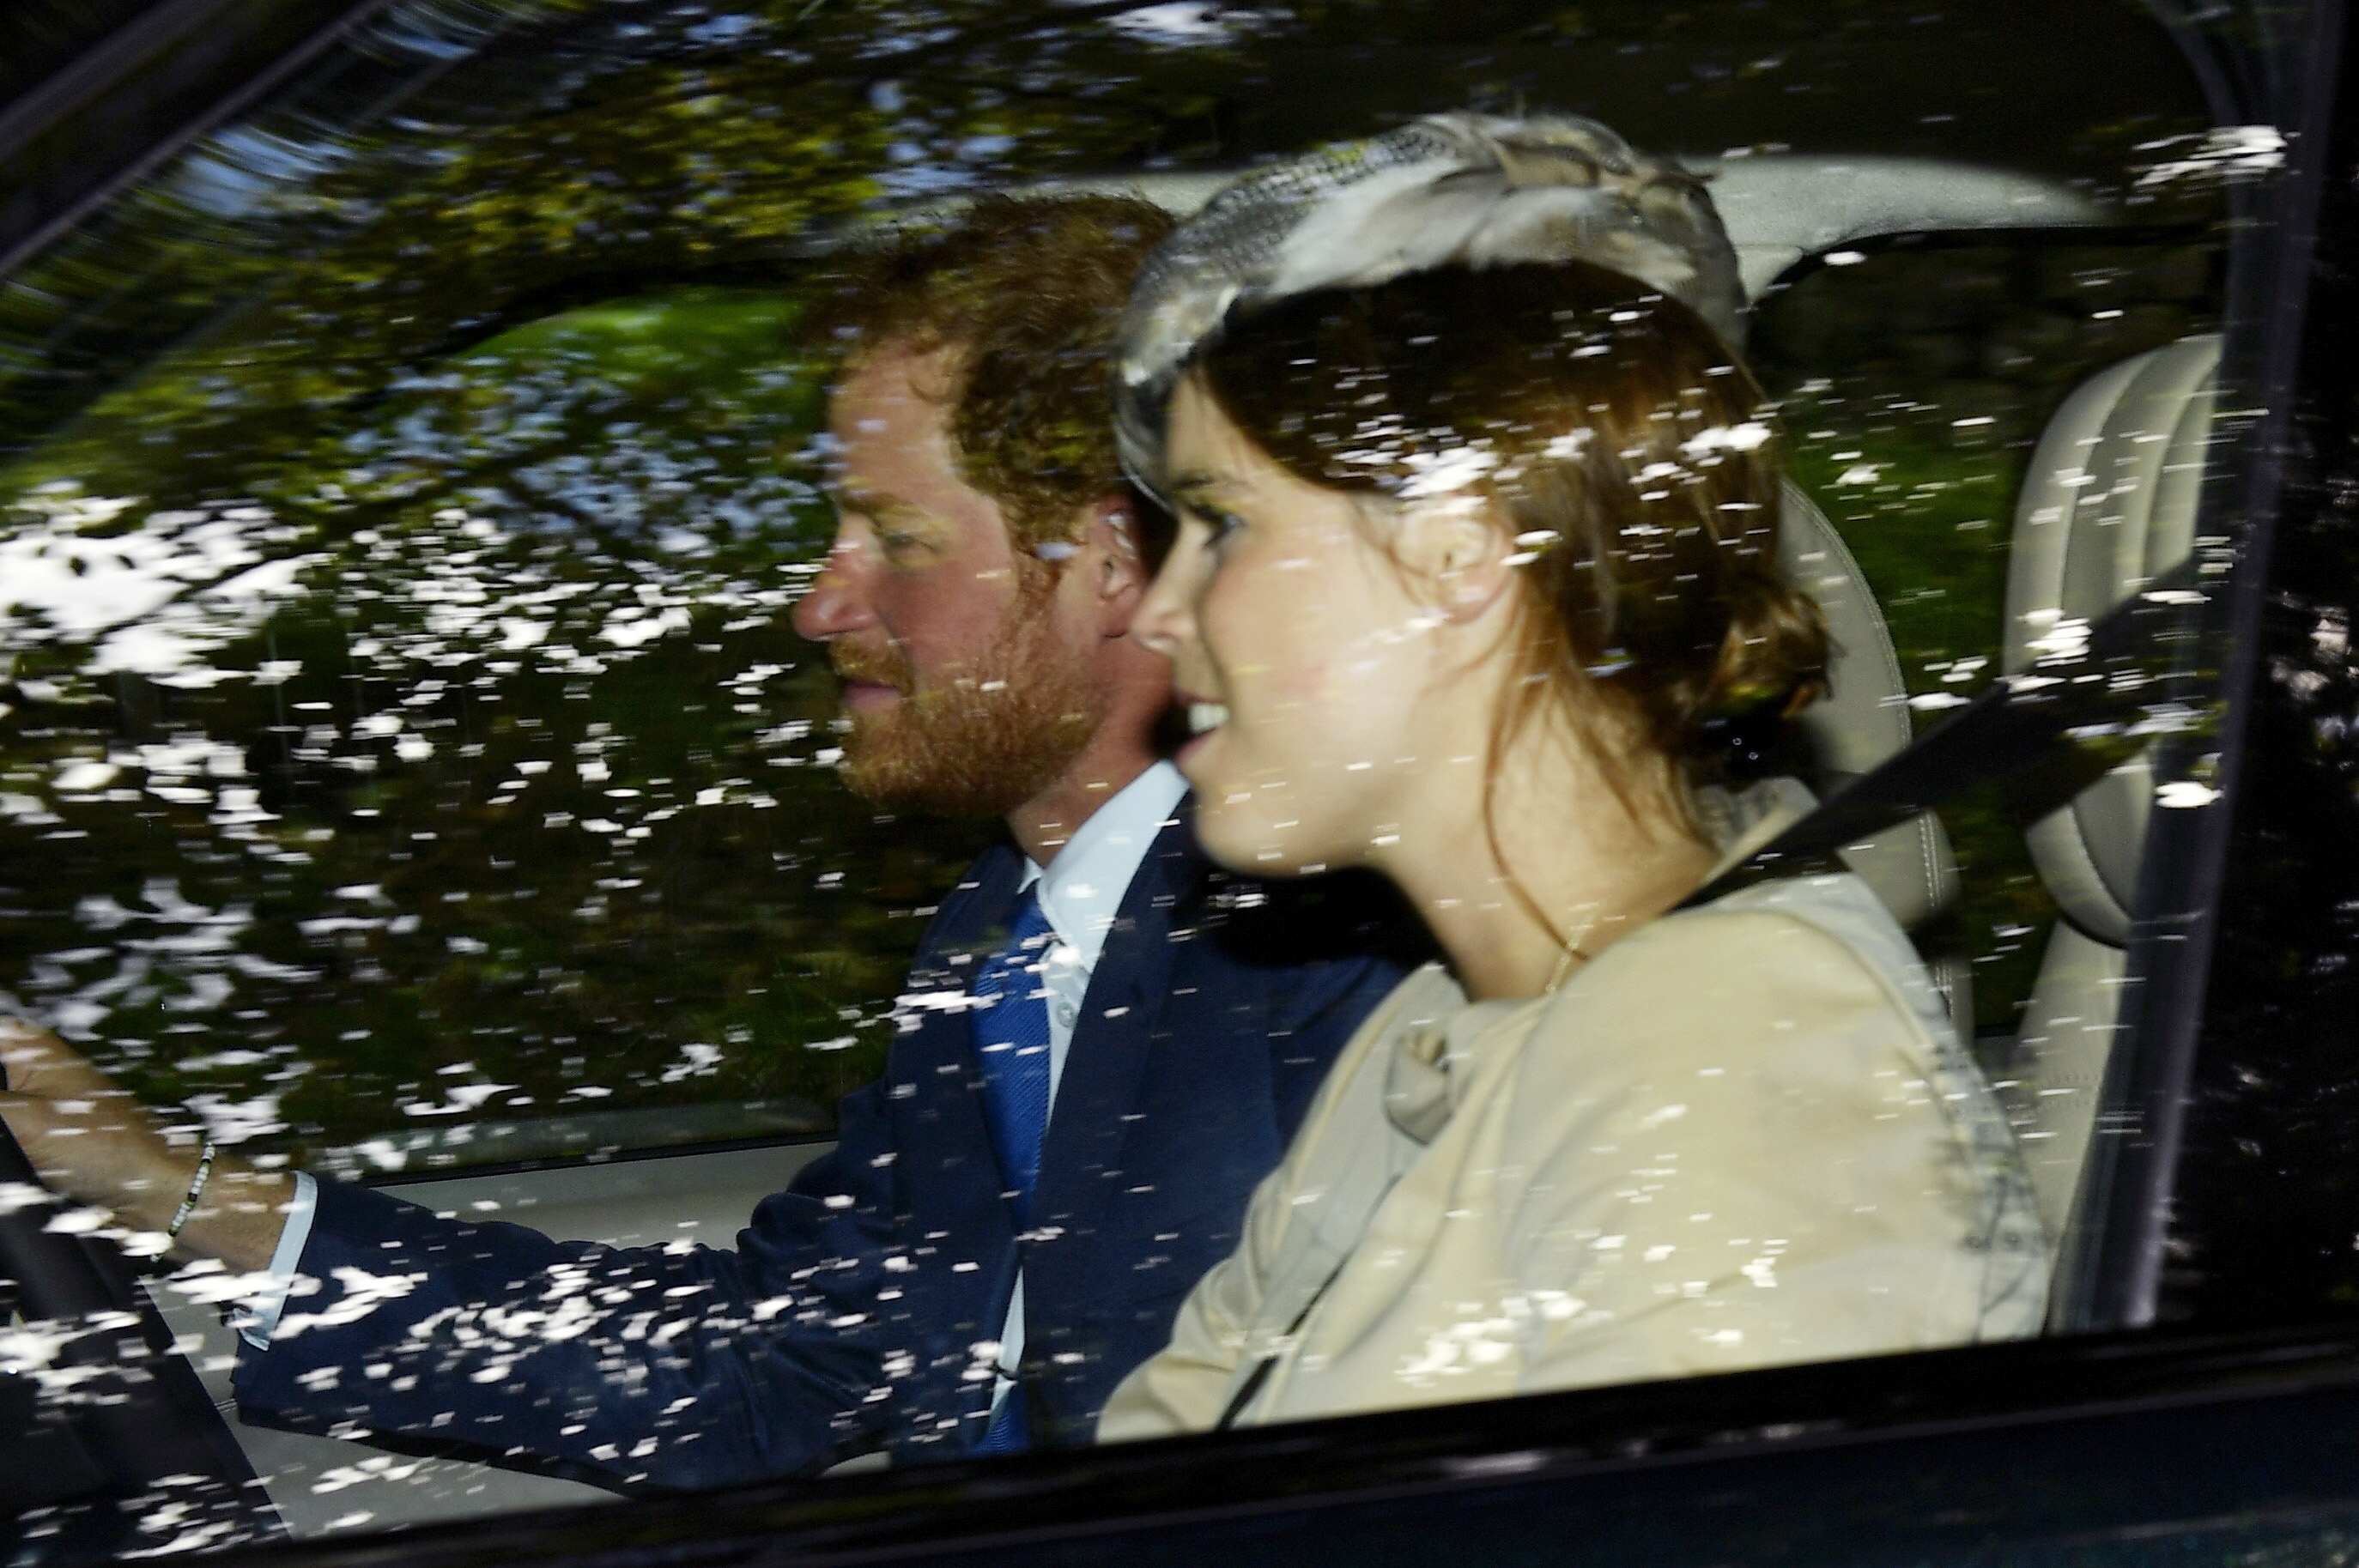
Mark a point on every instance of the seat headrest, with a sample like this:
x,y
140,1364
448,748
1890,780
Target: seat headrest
x,y
1863,717
2109,504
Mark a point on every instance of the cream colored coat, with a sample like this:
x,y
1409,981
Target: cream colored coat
x,y
1744,1135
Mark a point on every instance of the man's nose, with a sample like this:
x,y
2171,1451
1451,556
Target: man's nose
x,y
837,603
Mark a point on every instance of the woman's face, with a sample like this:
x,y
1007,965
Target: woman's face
x,y
1307,663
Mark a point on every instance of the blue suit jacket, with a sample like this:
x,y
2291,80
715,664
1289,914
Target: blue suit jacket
x,y
860,1307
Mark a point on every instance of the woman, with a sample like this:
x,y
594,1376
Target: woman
x,y
1475,573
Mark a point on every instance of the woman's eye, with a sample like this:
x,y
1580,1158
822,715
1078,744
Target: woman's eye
x,y
1222,524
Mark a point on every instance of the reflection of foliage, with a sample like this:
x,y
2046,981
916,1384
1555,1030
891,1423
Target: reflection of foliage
x,y
521,793
507,766
592,148
671,152
396,622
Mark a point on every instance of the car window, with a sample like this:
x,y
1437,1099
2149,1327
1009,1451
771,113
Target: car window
x,y
394,474
409,766
512,771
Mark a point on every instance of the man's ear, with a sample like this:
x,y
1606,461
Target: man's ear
x,y
1454,550
1116,563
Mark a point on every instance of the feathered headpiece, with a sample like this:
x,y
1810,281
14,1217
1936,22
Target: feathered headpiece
x,y
1472,190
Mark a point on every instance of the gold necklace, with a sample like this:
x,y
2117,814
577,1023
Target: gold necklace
x,y
1563,970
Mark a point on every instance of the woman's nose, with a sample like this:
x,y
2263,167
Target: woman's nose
x,y
837,603
1164,622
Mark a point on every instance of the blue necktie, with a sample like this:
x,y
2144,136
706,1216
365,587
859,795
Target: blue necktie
x,y
1011,1037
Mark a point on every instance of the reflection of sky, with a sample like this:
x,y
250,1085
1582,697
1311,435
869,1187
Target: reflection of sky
x,y
238,169
1178,22
234,171
723,29
155,598
923,180
459,595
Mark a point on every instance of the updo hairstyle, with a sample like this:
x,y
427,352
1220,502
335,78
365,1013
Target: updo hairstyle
x,y
1627,449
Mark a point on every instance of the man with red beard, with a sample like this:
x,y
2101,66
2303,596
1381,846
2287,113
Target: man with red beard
x,y
965,1272
977,604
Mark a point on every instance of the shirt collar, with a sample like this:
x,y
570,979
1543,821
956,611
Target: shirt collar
x,y
1082,888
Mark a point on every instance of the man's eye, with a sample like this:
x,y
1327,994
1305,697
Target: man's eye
x,y
1221,524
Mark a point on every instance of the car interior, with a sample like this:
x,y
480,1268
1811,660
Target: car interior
x,y
2024,925
2108,504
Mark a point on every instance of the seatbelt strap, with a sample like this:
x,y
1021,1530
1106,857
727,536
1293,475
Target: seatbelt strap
x,y
2097,695
1268,1363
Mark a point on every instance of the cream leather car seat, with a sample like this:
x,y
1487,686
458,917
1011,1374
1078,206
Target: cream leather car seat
x,y
2109,504
1862,721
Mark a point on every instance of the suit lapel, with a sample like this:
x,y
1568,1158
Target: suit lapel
x,y
1113,1038
970,923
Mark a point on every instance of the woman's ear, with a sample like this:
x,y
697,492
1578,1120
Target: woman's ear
x,y
1455,551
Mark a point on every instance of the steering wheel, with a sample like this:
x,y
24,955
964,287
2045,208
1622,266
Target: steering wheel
x,y
138,1435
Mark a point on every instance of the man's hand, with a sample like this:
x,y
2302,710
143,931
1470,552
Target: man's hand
x,y
91,1141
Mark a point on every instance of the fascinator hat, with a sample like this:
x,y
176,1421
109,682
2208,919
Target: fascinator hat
x,y
1468,190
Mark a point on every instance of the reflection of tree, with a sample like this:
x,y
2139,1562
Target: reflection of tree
x,y
647,153
590,148
531,692
524,784
466,813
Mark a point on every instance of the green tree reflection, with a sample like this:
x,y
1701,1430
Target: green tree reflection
x,y
406,491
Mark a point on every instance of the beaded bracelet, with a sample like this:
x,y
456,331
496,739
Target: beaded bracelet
x,y
196,1190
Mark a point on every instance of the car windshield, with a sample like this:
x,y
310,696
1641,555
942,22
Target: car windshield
x,y
415,769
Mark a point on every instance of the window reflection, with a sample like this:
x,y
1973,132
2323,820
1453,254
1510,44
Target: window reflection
x,y
410,764
490,732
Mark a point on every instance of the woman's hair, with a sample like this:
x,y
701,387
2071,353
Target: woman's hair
x,y
1622,444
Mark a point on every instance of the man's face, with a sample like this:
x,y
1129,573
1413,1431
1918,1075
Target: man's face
x,y
967,690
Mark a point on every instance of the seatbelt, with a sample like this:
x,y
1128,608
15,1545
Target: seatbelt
x,y
1269,1363
2098,693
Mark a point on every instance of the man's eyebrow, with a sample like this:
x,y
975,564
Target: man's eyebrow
x,y
870,502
